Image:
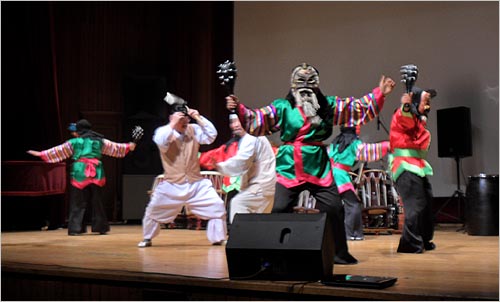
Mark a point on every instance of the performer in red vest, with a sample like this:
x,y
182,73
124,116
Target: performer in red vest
x,y
410,140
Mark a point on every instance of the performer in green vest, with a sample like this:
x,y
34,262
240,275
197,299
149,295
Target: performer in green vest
x,y
87,173
345,150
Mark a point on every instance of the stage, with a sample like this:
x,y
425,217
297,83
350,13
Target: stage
x,y
182,265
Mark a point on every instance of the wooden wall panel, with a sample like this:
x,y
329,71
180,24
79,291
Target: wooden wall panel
x,y
64,58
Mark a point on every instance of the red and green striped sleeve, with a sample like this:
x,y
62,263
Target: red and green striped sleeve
x,y
114,149
58,153
261,121
372,152
351,112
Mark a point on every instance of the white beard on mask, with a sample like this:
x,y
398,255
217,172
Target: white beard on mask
x,y
306,99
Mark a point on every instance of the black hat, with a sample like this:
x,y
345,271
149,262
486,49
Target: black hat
x,y
178,108
417,97
83,126
417,94
431,91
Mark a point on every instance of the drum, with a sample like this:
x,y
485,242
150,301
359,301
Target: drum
x,y
380,200
377,189
481,208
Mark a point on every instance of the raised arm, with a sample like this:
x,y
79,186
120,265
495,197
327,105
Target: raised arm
x,y
352,112
113,149
55,154
257,122
241,162
403,117
372,152
205,135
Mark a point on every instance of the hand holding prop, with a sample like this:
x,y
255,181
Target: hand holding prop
x,y
137,134
409,75
227,74
172,99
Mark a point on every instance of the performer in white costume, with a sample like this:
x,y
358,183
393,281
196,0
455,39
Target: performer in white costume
x,y
183,185
255,162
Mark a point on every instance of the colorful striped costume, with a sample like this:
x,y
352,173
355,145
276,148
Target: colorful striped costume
x,y
302,162
356,151
87,178
342,163
410,141
303,157
86,153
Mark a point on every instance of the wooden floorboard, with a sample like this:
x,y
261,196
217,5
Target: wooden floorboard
x,y
463,267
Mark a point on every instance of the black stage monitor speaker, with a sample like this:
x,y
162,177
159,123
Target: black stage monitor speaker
x,y
454,132
280,246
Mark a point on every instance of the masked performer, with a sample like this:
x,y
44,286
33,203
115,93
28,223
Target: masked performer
x,y
87,173
410,141
346,149
305,118
183,185
255,163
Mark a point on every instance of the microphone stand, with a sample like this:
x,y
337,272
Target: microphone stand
x,y
379,122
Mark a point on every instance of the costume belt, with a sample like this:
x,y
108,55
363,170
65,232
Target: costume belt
x,y
342,167
301,143
410,153
90,164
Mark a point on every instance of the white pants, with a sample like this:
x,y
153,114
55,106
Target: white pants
x,y
200,198
248,202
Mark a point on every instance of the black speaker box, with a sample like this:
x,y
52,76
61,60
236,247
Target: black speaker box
x,y
454,132
280,246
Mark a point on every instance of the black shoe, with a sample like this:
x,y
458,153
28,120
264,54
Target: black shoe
x,y
103,233
429,246
74,234
409,250
346,259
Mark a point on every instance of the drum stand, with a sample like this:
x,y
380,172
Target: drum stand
x,y
457,195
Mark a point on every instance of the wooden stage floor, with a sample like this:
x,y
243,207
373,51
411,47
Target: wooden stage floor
x,y
182,265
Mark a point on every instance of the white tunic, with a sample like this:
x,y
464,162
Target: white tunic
x,y
255,162
183,185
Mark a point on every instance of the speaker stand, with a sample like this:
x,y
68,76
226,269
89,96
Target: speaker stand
x,y
457,195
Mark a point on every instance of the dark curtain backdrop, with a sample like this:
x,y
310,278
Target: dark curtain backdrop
x,y
110,62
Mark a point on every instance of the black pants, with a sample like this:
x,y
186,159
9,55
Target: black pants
x,y
79,199
327,200
353,217
416,193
